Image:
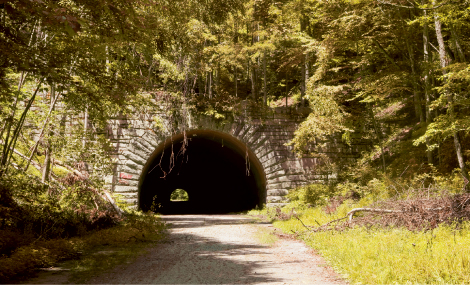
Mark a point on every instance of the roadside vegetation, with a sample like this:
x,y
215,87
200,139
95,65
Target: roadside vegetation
x,y
43,225
385,82
418,234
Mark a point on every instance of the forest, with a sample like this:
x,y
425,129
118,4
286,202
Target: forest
x,y
391,73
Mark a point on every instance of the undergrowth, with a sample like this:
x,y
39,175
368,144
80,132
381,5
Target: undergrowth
x,y
42,225
393,255
426,243
122,241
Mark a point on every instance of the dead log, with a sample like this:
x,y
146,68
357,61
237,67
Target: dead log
x,y
351,213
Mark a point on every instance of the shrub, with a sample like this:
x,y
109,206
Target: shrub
x,y
315,194
37,213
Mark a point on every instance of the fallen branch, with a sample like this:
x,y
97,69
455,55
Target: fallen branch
x,y
34,163
351,213
69,168
57,183
310,228
307,227
106,196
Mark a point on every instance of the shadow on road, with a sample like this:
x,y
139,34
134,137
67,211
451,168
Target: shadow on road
x,y
192,221
195,253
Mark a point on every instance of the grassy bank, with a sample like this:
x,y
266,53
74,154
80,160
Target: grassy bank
x,y
396,255
85,253
420,245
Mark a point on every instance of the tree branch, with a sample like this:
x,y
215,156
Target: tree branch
x,y
35,147
385,52
353,211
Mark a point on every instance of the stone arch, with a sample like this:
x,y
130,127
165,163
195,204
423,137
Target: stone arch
x,y
219,172
136,139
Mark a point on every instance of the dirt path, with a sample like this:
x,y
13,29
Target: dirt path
x,y
217,249
222,249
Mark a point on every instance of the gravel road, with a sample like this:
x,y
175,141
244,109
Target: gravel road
x,y
215,249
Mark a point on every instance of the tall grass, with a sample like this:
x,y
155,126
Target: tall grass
x,y
391,256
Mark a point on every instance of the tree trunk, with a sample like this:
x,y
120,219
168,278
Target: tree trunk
x,y
265,89
306,76
303,82
47,163
236,81
254,71
217,78
33,151
287,94
416,95
444,62
379,137
200,83
10,119
456,40
254,91
85,127
209,84
302,79
46,168
427,85
11,145
248,74
235,69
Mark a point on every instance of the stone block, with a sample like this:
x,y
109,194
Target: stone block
x,y
129,195
287,178
259,143
131,201
125,189
276,199
275,205
129,170
131,164
147,145
135,158
127,182
286,185
151,139
262,151
140,152
127,176
272,169
244,131
139,144
278,192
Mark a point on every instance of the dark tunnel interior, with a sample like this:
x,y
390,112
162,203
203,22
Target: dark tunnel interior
x,y
218,172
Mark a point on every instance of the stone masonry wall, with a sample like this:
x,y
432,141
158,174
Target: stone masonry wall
x,y
264,132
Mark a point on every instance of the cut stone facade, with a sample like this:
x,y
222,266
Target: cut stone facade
x,y
265,133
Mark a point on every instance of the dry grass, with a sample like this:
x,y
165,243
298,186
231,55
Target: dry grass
x,y
416,213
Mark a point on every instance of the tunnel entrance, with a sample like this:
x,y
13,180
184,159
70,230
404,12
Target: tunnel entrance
x,y
218,172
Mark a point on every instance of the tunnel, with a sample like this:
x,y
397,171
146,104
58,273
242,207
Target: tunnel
x,y
219,173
